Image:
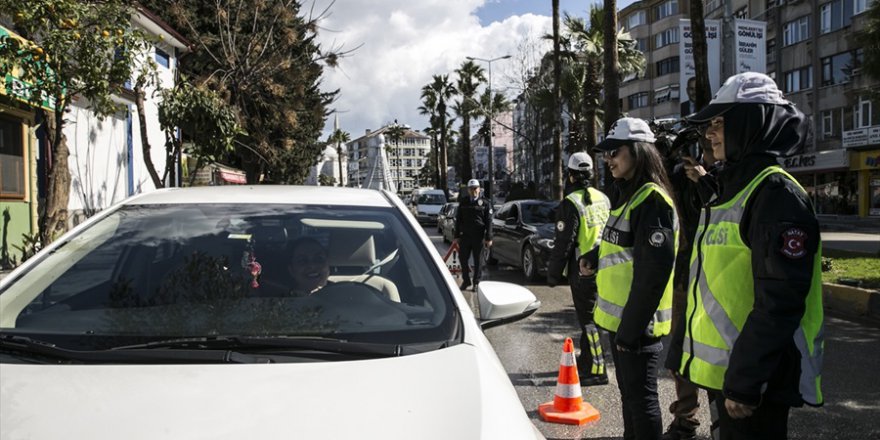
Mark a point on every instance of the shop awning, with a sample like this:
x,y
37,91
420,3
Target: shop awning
x,y
17,88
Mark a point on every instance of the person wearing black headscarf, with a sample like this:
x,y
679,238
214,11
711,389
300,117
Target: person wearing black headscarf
x,y
753,327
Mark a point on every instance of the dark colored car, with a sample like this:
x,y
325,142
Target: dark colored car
x,y
523,235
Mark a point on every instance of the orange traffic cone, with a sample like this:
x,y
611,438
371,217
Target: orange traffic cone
x,y
568,406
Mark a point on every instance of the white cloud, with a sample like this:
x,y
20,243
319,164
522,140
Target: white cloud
x,y
403,44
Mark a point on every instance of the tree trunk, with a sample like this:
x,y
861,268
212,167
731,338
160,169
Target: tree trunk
x,y
435,152
145,141
53,222
339,160
701,57
557,108
612,80
467,171
443,159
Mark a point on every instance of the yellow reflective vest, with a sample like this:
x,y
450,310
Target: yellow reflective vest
x,y
592,218
722,296
615,275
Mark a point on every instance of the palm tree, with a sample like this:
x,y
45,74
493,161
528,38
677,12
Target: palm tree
x,y
437,94
340,137
491,105
557,108
585,47
395,133
470,77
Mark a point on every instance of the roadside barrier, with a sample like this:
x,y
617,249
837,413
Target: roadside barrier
x,y
568,405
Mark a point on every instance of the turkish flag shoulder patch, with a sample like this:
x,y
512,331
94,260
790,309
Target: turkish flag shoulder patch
x,y
794,242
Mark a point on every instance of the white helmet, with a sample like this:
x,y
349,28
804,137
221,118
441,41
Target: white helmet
x,y
473,183
580,161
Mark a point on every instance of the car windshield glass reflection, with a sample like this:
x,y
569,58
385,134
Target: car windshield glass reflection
x,y
538,213
432,199
159,272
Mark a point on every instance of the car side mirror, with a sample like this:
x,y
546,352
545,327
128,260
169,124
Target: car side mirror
x,y
503,303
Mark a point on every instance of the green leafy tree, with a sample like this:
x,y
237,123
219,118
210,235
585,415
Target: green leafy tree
x,y
72,48
556,182
209,125
263,60
395,133
325,180
869,39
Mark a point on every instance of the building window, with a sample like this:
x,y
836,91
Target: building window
x,y
799,79
637,100
667,9
835,15
637,19
796,31
667,66
665,94
827,128
642,45
663,38
771,51
860,6
11,159
742,13
862,113
839,68
163,59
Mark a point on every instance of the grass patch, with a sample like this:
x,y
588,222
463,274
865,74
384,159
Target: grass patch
x,y
865,270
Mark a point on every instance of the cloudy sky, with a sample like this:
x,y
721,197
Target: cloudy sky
x,y
400,44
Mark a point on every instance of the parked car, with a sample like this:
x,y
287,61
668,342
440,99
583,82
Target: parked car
x,y
426,204
174,315
441,216
447,225
523,235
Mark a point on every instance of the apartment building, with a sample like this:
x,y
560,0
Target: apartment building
x,y
812,53
403,160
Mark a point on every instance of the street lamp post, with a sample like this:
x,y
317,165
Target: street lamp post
x,y
490,194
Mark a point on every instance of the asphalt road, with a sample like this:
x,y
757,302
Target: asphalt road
x,y
530,351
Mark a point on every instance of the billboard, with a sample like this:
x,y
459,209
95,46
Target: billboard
x,y
686,59
481,162
750,40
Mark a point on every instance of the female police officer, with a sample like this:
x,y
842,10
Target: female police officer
x,y
634,277
753,336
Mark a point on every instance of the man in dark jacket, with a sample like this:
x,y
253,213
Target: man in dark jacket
x,y
473,230
753,337
582,215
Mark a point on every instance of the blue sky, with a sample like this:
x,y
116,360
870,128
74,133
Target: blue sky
x,y
399,45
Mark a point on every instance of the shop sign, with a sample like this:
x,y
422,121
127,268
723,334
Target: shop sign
x,y
823,160
861,137
867,160
19,89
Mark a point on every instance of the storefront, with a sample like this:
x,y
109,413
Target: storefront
x,y
866,164
828,179
18,164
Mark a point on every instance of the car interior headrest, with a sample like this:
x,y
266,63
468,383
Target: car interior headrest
x,y
352,247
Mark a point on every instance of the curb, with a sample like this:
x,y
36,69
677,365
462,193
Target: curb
x,y
852,301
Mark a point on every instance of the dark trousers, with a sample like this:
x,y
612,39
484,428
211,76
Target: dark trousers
x,y
468,246
768,422
583,295
636,373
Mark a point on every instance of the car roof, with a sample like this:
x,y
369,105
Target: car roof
x,y
254,194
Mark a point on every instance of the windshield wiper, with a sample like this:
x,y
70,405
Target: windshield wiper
x,y
30,346
285,343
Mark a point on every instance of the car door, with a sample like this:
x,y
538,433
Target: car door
x,y
502,241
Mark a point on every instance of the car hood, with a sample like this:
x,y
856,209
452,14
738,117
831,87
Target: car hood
x,y
546,230
457,392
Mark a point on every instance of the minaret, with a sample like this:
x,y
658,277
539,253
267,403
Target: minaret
x,y
379,174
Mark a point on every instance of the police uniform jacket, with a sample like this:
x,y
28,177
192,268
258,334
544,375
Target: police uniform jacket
x,y
653,260
474,218
765,362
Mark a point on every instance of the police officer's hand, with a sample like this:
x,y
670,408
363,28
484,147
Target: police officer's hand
x,y
738,410
693,170
584,268
488,243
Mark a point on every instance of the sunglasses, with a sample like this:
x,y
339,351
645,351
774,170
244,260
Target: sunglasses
x,y
612,153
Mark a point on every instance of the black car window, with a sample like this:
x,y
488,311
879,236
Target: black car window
x,y
501,213
538,213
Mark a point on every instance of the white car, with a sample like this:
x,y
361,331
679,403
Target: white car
x,y
178,314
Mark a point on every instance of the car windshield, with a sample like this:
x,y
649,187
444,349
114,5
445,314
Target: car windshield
x,y
538,213
432,199
153,272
